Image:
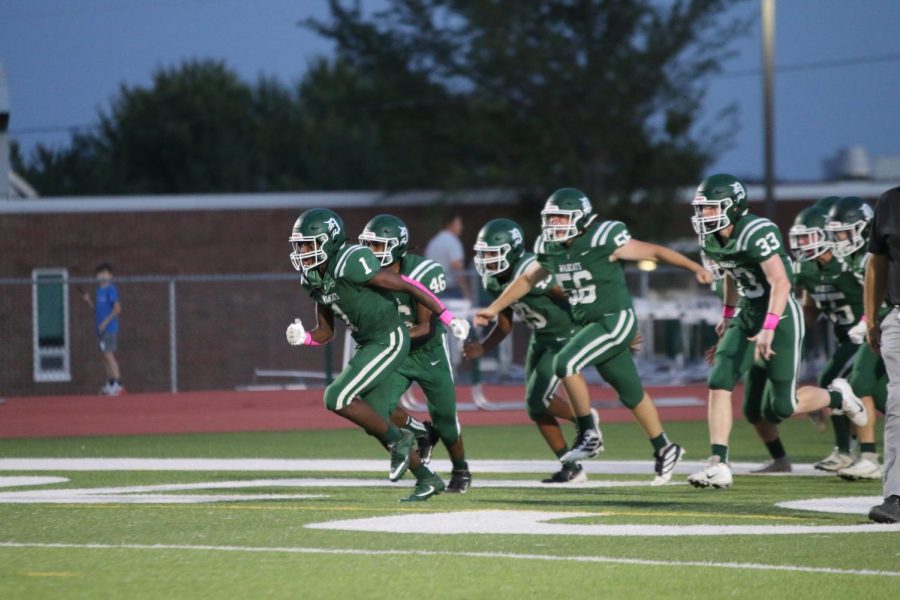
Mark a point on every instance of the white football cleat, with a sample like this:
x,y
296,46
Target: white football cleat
x,y
834,462
666,460
861,469
716,474
851,407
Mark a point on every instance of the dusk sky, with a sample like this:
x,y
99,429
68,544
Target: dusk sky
x,y
65,59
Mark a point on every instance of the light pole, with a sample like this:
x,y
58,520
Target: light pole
x,y
768,49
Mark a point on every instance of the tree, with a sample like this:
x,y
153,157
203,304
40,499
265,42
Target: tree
x,y
603,94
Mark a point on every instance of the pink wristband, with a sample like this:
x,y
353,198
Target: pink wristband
x,y
446,316
771,321
309,341
728,312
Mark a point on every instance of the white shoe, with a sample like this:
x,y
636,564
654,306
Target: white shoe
x,y
587,445
716,474
851,407
665,463
861,469
116,389
106,390
834,462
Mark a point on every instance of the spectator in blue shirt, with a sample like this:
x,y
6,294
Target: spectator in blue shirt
x,y
107,309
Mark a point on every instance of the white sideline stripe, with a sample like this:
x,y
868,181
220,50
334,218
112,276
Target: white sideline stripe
x,y
596,467
500,555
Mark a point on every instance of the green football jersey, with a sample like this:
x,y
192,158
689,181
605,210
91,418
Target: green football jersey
x,y
753,241
835,287
370,313
431,275
595,286
546,317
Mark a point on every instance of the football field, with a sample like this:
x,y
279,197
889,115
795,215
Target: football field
x,y
311,514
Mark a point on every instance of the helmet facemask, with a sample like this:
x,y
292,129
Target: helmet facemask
x,y
557,232
816,242
385,252
706,224
491,260
854,240
309,260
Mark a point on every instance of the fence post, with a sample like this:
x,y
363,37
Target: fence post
x,y
173,338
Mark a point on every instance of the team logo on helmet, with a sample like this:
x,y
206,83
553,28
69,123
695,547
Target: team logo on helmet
x,y
404,235
516,235
738,188
333,227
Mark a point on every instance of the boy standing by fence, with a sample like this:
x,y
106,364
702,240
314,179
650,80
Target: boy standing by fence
x,y
107,309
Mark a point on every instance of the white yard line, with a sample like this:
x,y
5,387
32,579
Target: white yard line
x,y
524,522
491,555
596,467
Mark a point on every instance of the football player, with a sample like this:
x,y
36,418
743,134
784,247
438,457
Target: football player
x,y
763,340
831,287
428,363
584,254
347,281
500,257
848,226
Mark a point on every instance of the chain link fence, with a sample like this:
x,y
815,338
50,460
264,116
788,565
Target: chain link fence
x,y
215,332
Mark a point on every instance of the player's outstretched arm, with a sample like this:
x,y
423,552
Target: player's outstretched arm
x,y
523,284
497,334
400,283
388,280
638,250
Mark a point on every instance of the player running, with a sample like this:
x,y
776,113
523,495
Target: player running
x,y
583,253
764,339
848,227
428,363
347,280
833,287
500,257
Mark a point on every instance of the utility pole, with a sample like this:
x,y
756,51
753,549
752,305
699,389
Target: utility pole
x,y
768,50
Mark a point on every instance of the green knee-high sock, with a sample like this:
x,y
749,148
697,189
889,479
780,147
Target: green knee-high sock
x,y
585,423
841,426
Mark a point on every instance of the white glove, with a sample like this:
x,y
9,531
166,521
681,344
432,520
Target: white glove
x,y
857,333
296,334
460,328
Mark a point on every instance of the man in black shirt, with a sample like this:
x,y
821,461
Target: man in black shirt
x,y
883,284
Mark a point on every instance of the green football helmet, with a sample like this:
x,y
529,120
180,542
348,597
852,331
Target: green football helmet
x,y
848,225
500,244
387,236
807,236
827,202
317,235
722,192
570,204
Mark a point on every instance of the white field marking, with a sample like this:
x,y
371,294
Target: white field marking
x,y
23,481
154,494
848,505
330,465
495,555
525,522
